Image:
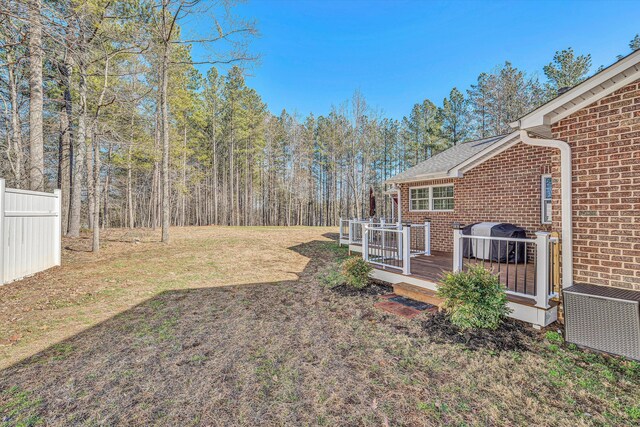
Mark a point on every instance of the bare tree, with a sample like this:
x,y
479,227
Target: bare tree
x,y
172,11
36,137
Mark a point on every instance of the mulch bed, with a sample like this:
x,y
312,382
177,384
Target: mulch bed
x,y
511,335
373,289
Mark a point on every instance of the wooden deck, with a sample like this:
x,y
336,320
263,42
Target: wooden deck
x,y
516,277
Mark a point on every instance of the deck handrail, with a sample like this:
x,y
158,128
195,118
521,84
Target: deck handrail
x,y
504,239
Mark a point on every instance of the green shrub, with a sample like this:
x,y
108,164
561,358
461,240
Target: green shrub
x,y
356,272
474,299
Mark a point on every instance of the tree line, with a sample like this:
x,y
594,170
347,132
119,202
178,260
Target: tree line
x,y
104,100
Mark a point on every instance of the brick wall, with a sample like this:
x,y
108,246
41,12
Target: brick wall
x,y
505,188
605,142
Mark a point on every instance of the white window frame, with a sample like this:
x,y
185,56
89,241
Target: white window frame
x,y
430,187
411,198
543,199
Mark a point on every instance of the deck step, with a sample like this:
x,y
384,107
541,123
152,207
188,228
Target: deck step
x,y
417,293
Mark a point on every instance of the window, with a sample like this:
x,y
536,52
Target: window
x,y
420,199
431,198
546,193
442,198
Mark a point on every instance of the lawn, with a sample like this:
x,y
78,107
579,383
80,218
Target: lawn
x,y
236,326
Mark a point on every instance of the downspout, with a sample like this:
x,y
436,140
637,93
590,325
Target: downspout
x,y
566,194
399,205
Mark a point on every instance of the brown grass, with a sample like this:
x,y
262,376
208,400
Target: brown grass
x,y
233,326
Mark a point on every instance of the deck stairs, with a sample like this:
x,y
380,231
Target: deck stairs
x,y
417,293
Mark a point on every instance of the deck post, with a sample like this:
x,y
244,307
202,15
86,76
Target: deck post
x,y
457,248
427,237
365,243
542,269
58,227
340,233
399,241
406,251
350,231
2,228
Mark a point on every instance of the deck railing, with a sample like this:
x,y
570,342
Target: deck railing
x,y
393,245
356,230
344,231
420,239
351,230
523,265
387,246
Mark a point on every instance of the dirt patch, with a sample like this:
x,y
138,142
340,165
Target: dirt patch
x,y
373,289
511,335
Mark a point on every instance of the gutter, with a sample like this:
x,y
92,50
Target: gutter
x,y
566,195
418,178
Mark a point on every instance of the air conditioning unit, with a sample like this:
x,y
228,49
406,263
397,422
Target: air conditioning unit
x,y
604,319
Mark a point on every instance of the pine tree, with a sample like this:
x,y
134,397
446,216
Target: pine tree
x,y
455,118
479,96
634,44
566,70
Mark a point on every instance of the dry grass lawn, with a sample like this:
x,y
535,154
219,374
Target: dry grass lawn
x,y
235,326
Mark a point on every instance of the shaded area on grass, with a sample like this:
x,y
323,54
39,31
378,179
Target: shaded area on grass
x,y
295,352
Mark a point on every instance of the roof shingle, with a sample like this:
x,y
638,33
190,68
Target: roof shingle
x,y
443,162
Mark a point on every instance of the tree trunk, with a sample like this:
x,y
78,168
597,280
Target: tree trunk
x,y
129,178
95,247
65,154
90,183
16,131
165,143
79,157
36,137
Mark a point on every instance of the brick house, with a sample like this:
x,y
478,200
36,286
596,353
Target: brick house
x,y
568,174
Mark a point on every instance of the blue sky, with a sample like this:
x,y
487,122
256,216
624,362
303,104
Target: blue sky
x,y
314,54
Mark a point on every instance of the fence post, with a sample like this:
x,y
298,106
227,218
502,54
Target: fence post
x,y
340,233
542,269
2,209
350,231
457,248
58,227
406,252
365,243
427,237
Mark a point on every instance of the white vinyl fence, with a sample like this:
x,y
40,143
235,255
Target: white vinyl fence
x,y
30,232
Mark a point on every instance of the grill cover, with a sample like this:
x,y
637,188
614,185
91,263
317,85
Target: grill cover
x,y
496,251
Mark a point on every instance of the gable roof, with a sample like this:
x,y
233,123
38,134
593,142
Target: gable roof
x,y
621,73
440,165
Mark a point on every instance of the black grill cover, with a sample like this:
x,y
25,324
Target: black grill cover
x,y
500,251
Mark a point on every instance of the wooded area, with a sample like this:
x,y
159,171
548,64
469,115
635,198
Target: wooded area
x,y
104,100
